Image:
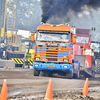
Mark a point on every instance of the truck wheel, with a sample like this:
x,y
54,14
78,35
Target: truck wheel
x,y
93,74
35,72
42,73
47,74
70,75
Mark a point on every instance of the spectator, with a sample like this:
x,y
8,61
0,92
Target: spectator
x,y
1,52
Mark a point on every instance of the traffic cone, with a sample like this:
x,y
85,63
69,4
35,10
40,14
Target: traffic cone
x,y
49,93
4,95
85,88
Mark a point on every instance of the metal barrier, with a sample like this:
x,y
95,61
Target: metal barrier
x,y
21,61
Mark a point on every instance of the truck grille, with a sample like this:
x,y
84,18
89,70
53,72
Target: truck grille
x,y
52,54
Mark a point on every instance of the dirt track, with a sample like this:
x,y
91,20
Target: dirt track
x,y
22,85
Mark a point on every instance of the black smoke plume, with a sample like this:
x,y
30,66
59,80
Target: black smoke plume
x,y
61,8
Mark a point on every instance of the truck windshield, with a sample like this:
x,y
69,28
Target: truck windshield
x,y
52,36
82,39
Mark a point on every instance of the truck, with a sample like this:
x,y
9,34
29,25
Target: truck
x,y
54,51
84,53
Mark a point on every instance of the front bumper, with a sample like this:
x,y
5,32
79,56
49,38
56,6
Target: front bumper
x,y
52,66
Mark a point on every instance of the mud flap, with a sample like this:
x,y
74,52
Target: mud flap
x,y
76,69
90,66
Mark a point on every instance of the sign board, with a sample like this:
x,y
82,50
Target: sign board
x,y
88,52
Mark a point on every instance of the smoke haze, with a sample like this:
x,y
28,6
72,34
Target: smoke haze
x,y
62,11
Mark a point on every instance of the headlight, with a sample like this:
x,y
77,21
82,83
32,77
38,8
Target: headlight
x,y
66,60
65,66
37,59
36,65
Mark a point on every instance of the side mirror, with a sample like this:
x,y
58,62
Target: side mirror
x,y
32,37
74,39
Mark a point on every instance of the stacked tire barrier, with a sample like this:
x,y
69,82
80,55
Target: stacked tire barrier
x,y
98,66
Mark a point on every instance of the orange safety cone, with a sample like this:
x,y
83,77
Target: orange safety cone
x,y
49,93
4,95
85,88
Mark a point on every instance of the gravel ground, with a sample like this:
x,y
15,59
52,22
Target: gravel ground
x,y
22,85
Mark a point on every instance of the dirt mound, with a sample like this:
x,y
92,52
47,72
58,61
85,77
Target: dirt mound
x,y
72,96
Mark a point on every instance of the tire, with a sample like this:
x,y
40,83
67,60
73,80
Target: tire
x,y
93,74
42,73
48,74
87,75
98,66
35,72
70,75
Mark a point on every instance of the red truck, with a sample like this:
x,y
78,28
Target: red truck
x,y
83,52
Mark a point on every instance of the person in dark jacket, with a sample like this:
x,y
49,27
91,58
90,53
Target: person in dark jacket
x,y
1,52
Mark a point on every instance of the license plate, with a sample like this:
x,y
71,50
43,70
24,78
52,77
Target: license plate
x,y
50,65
